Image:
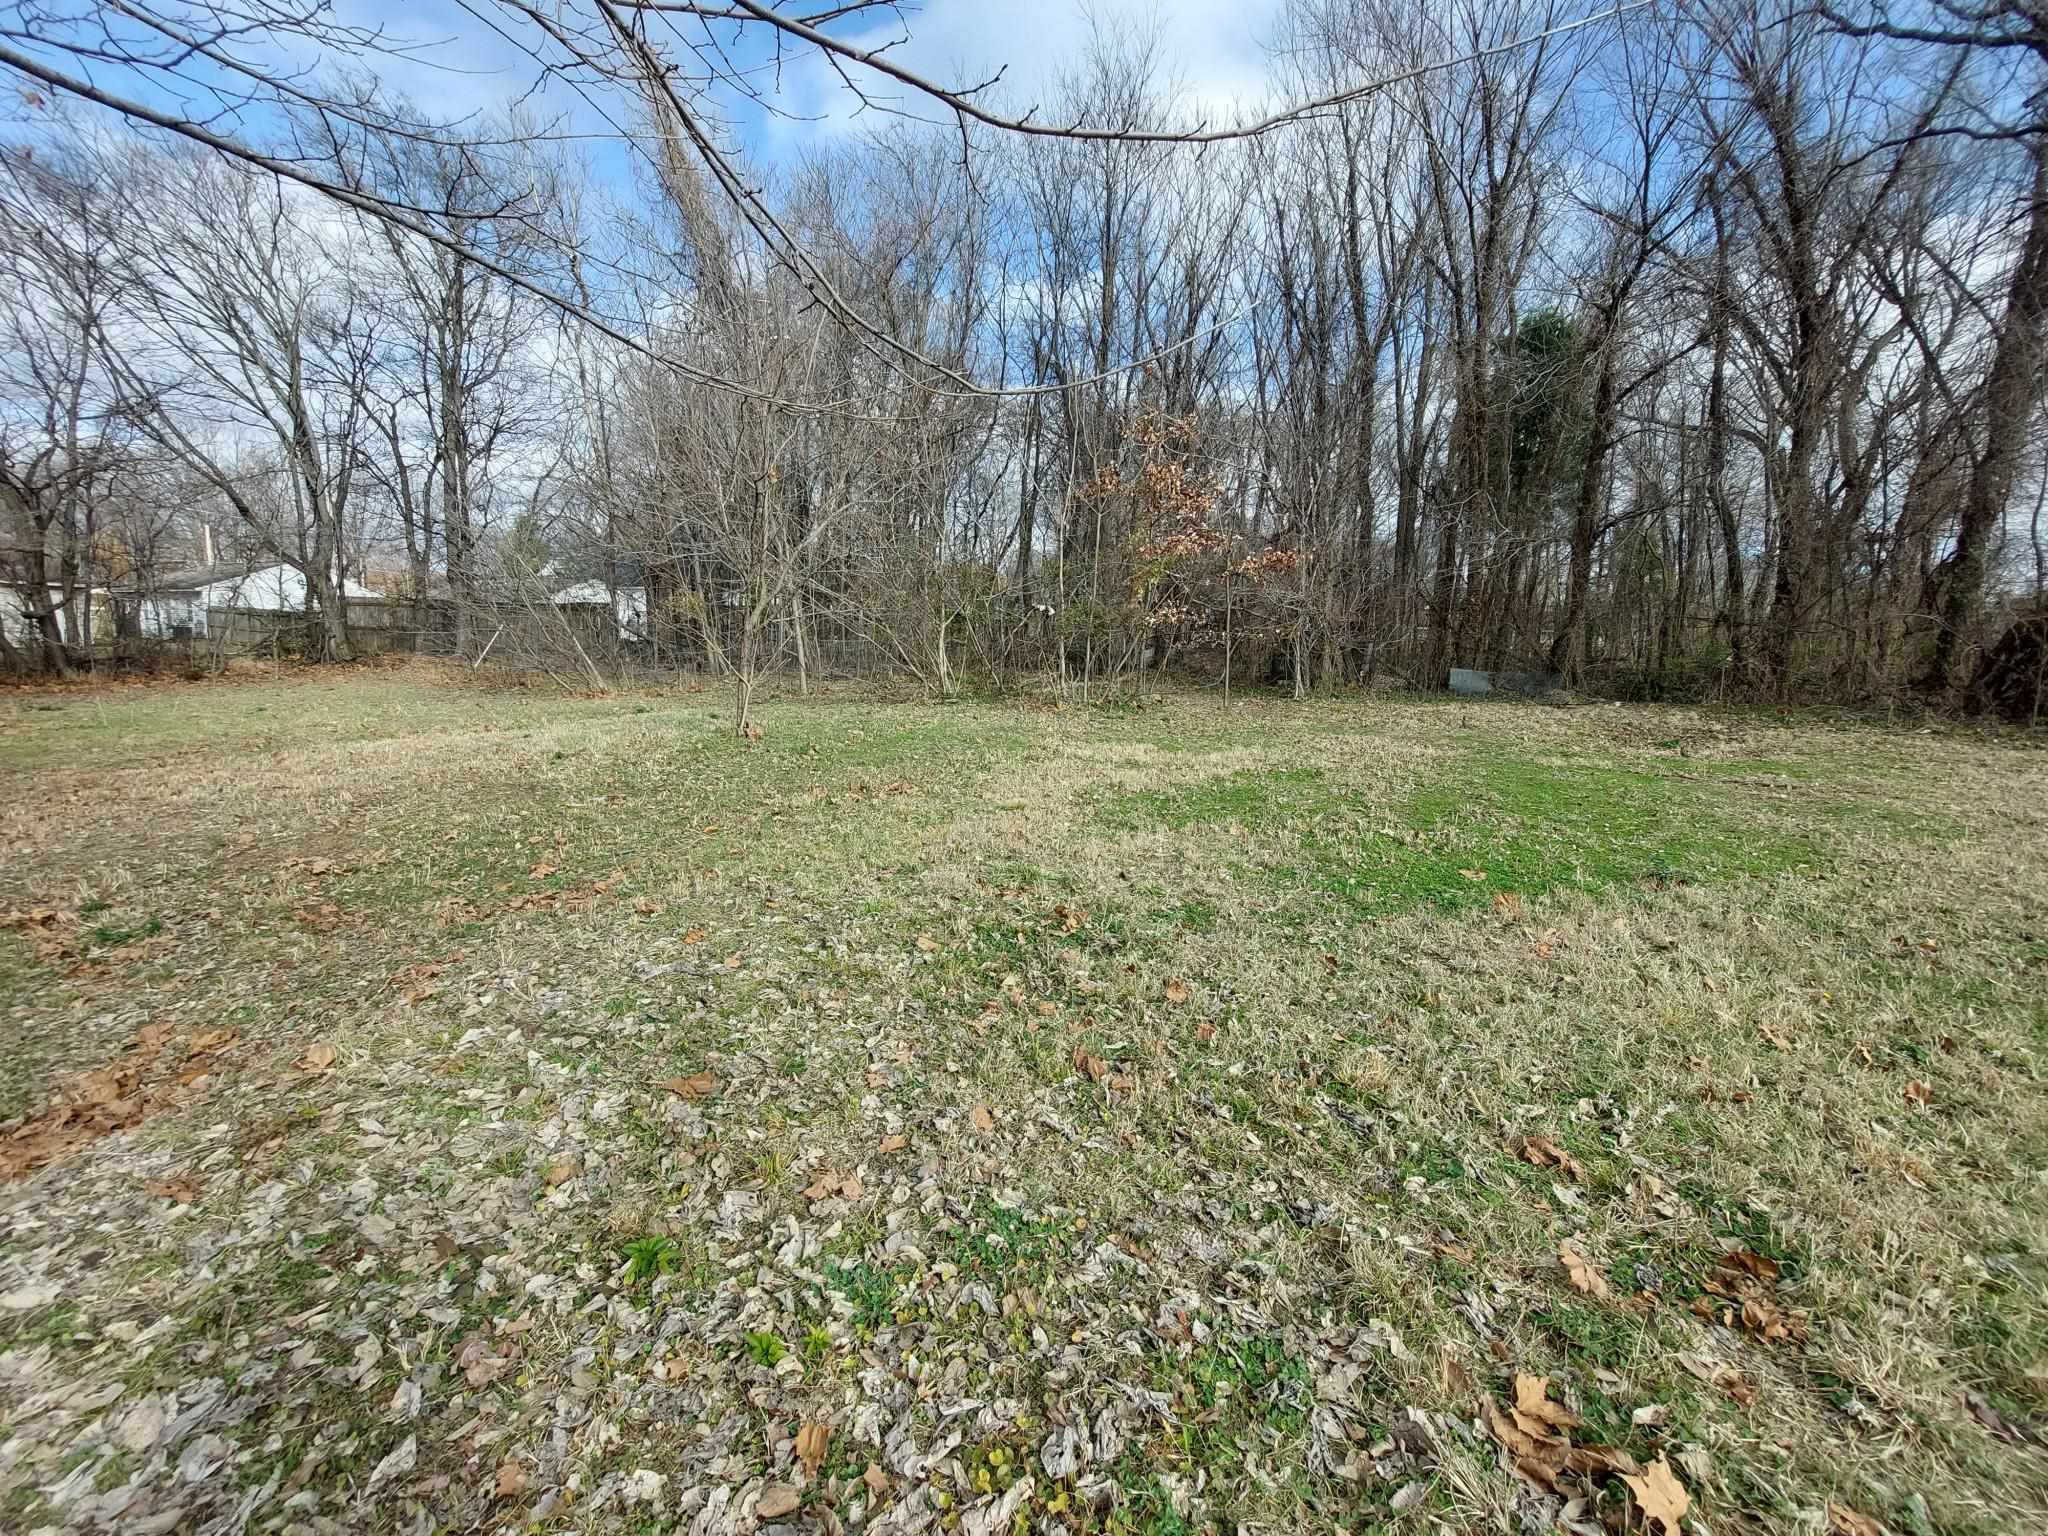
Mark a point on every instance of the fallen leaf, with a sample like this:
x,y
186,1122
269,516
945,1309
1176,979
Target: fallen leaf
x,y
1602,1461
1534,1407
1982,1411
700,1086
1844,1521
212,1040
398,1463
511,1481
184,1191
876,1479
982,1119
479,1366
1919,1094
1717,1374
693,936
1545,1153
1205,1031
776,1499
1752,1263
1177,991
1474,875
141,1426
927,943
1087,1061
895,1143
319,1058
1507,904
810,1447
562,1172
1762,1317
1540,1456
26,1298
1583,1275
1660,1495
833,1186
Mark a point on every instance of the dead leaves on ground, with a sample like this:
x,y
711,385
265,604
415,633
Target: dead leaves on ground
x,y
810,1447
835,1186
1743,1294
700,1085
1583,1276
110,1098
1659,1494
1542,1152
1718,1374
512,1481
63,937
319,1058
55,934
1536,1432
1100,1071
1844,1521
1996,1423
322,918
480,1363
35,918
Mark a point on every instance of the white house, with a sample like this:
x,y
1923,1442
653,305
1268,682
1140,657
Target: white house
x,y
273,589
169,608
20,628
628,605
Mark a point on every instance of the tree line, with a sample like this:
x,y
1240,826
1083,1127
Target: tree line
x,y
1698,350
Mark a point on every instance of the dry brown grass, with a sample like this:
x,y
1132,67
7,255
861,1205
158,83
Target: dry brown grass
x,y
1250,1197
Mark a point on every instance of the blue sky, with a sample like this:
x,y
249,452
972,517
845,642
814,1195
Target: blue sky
x,y
457,58
456,64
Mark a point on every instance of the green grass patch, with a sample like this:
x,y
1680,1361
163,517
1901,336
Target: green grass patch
x,y
1489,824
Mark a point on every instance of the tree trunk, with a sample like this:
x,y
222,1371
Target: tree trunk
x,y
1568,650
2012,389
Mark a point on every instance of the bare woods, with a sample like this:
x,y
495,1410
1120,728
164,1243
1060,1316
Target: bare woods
x,y
1685,350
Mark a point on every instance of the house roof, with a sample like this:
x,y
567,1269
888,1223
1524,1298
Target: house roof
x,y
271,588
593,592
190,579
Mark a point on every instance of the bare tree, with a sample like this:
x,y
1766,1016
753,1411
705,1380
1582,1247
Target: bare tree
x,y
245,331
63,435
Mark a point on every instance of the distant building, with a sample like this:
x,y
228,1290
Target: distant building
x,y
16,623
169,608
628,605
175,606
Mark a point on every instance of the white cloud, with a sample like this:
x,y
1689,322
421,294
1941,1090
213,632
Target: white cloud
x,y
1213,50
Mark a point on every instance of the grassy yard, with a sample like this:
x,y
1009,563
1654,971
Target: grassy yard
x,y
428,1108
